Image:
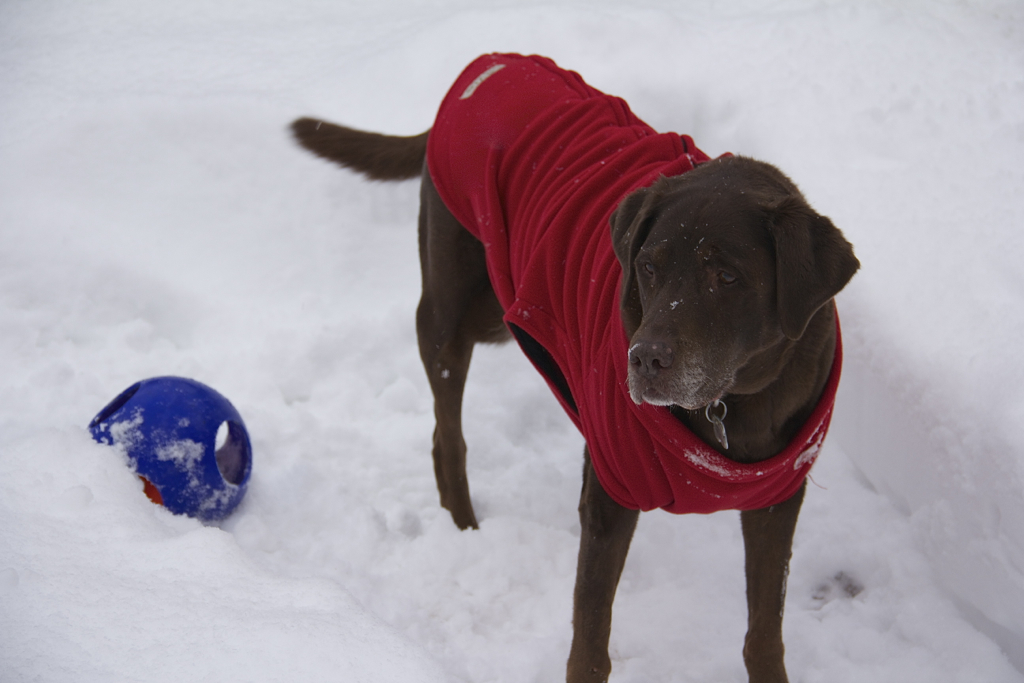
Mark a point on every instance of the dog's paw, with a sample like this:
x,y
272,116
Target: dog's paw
x,y
842,585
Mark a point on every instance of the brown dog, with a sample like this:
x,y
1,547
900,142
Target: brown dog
x,y
720,279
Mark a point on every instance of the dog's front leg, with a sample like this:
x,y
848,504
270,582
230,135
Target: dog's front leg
x,y
768,540
607,529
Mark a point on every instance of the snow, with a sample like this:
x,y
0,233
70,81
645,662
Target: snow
x,y
155,219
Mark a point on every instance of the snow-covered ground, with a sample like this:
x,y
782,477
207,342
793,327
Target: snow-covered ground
x,y
156,219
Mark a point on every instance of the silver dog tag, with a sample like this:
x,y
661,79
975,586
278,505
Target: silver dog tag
x,y
716,422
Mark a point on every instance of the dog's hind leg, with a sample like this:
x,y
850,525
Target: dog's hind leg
x,y
458,308
768,539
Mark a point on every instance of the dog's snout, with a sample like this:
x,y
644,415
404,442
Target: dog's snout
x,y
649,358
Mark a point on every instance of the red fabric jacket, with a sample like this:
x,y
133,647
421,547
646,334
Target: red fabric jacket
x,y
532,161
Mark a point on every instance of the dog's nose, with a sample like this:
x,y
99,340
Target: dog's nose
x,y
650,357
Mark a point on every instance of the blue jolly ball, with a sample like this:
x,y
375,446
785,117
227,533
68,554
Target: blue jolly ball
x,y
186,441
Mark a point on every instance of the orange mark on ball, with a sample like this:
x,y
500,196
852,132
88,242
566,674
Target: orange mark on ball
x,y
151,491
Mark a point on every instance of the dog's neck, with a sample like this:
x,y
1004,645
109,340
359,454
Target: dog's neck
x,y
761,424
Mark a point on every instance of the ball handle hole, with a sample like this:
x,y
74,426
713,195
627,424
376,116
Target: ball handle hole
x,y
232,452
115,405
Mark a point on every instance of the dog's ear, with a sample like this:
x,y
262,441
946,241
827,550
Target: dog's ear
x,y
631,223
813,262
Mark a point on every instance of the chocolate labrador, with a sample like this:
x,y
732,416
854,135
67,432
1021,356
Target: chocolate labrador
x,y
679,307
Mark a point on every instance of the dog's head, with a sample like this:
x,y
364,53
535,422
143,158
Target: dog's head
x,y
723,268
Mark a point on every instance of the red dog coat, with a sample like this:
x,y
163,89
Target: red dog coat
x,y
532,161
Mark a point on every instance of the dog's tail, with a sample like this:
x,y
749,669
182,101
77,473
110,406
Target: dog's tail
x,y
377,156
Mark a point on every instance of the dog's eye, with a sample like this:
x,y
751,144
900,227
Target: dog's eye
x,y
648,269
726,278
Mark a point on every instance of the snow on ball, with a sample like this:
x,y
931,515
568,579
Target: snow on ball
x,y
186,442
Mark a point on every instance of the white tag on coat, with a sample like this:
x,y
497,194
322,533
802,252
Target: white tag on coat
x,y
480,79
